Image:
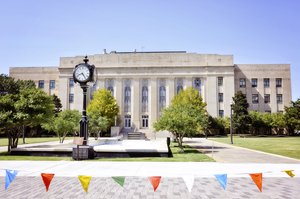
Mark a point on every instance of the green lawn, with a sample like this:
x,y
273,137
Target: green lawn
x,y
4,141
189,155
286,146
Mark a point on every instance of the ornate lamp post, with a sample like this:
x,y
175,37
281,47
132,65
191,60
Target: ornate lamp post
x,y
82,74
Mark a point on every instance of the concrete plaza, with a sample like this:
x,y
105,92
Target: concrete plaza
x,y
237,165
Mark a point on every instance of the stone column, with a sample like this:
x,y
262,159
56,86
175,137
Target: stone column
x,y
119,97
211,96
135,103
153,102
170,90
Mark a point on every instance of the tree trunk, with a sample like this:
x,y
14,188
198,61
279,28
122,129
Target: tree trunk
x,y
23,134
9,143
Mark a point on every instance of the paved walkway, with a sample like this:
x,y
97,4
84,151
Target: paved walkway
x,y
65,184
233,154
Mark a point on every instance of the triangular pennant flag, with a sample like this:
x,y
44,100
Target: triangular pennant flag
x,y
289,172
257,179
47,178
119,179
222,178
10,176
189,181
155,180
85,181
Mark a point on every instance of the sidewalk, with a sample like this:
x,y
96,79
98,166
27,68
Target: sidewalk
x,y
233,154
65,184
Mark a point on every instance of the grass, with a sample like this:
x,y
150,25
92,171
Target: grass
x,y
285,146
4,141
190,155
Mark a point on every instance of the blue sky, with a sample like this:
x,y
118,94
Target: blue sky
x,y
37,33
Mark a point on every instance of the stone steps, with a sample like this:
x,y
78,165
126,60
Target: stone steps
x,y
136,136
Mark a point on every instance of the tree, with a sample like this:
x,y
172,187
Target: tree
x,y
240,117
57,104
186,116
292,116
66,123
103,104
98,124
278,123
30,107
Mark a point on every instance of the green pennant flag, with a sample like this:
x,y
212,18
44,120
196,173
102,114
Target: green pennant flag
x,y
120,180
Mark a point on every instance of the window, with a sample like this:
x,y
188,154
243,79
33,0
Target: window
x,y
127,99
221,113
255,98
111,89
145,99
179,85
162,97
278,82
197,82
267,98
71,98
145,121
52,84
279,98
242,82
220,97
220,81
127,121
266,82
254,82
41,84
179,88
71,82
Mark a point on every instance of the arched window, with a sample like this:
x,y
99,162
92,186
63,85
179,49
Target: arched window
x,y
145,99
197,84
127,99
179,88
162,97
111,89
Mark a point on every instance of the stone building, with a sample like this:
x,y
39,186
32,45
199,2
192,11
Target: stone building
x,y
143,83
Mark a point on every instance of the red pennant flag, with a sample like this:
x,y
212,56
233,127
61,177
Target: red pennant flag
x,y
257,179
155,180
47,177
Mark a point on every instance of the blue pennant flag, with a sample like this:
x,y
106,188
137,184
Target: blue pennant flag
x,y
10,176
222,178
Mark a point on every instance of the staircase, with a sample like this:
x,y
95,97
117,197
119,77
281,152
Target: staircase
x,y
136,136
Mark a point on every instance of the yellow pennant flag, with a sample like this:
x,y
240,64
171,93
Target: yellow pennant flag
x,y
85,181
289,172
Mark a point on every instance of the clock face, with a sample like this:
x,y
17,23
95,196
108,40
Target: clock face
x,y
82,73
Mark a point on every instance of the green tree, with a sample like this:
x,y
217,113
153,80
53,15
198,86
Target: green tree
x,y
103,104
292,116
66,123
30,108
186,116
8,85
278,123
98,125
240,117
57,104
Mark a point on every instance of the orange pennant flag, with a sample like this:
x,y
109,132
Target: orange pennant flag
x,y
289,172
155,180
257,179
47,178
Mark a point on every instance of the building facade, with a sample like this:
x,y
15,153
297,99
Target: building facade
x,y
144,83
